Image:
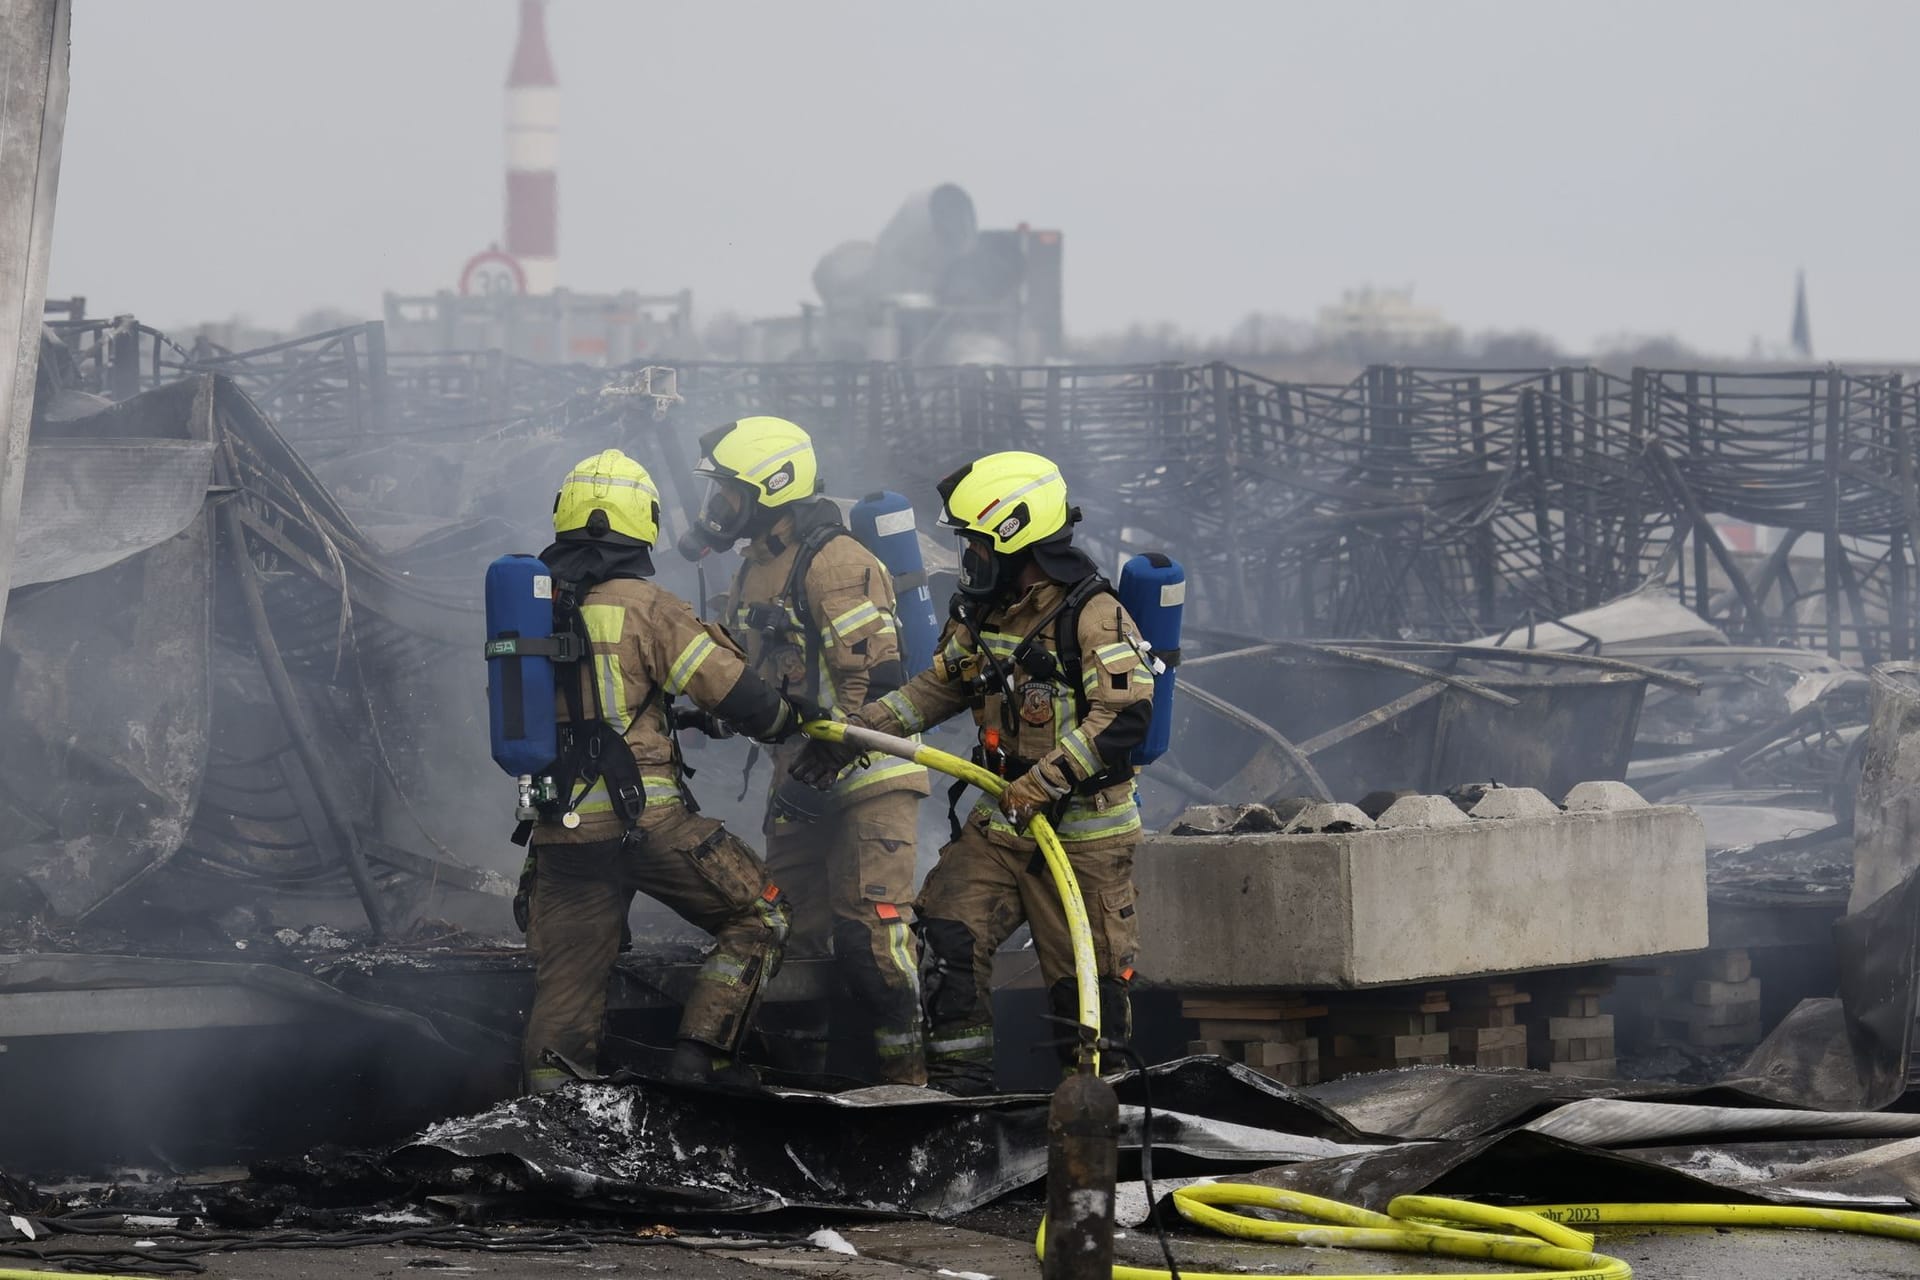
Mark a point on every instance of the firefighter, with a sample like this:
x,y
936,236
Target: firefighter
x,y
815,610
635,827
1061,688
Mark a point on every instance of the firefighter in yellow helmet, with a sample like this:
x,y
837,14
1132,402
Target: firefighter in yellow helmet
x,y
626,821
1060,684
816,612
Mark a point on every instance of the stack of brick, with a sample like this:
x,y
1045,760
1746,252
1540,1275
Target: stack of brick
x,y
1713,1002
1402,1030
1270,1032
1483,1027
1575,1038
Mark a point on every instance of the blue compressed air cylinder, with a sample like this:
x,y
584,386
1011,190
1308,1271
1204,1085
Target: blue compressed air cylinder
x,y
520,687
884,524
1153,590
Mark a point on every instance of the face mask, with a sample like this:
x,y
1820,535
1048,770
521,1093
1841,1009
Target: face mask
x,y
979,570
697,544
726,513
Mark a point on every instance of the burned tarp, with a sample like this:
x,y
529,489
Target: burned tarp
x,y
89,504
1522,1166
104,729
1854,1050
255,700
663,1148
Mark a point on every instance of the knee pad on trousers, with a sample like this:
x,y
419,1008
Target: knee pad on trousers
x,y
868,981
950,987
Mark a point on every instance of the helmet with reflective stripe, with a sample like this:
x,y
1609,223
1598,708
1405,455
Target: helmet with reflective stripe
x,y
607,495
1011,500
755,464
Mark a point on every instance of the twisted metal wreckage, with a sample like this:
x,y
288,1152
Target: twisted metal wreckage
x,y
1405,512
244,694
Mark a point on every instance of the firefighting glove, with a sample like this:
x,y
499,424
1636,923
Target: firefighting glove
x,y
704,721
1033,791
821,762
797,801
523,896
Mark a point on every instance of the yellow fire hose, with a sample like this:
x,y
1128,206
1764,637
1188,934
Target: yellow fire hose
x,y
1085,976
1437,1225
1537,1237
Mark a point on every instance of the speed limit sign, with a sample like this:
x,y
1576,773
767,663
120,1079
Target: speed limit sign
x,y
492,274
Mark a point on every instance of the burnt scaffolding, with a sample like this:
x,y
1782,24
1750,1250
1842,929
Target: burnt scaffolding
x,y
1405,503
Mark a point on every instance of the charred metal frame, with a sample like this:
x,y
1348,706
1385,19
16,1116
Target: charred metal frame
x,y
1436,503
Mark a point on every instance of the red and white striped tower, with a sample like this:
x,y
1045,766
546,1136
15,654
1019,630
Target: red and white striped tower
x,y
533,153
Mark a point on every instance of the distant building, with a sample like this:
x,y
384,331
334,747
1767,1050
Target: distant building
x,y
508,297
1381,318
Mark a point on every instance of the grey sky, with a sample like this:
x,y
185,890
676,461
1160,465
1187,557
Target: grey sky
x,y
1583,169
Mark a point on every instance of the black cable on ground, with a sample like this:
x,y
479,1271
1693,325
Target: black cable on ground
x,y
1146,1151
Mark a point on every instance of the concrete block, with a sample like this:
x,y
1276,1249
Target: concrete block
x,y
1514,802
1412,904
1249,1029
1571,1028
1328,818
1421,811
1709,992
1477,1040
1700,1017
1271,1054
1603,797
1735,964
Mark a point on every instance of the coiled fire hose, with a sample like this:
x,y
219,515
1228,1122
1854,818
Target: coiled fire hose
x,y
1085,977
1536,1237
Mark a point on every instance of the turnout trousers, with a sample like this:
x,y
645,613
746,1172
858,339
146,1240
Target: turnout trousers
x,y
973,900
580,897
850,880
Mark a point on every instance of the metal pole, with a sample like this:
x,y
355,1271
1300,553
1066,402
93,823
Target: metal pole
x,y
1227,443
33,115
299,728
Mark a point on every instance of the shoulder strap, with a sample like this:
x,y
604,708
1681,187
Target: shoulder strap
x,y
812,543
1065,620
589,750
1066,637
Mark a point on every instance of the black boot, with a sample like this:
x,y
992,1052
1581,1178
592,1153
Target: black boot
x,y
697,1063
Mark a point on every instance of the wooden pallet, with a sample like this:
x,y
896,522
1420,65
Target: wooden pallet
x,y
1568,1033
1483,1026
1712,1001
1271,1032
1382,1031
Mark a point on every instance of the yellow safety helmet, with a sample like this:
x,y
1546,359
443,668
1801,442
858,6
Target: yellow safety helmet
x,y
755,464
1012,500
1004,505
608,496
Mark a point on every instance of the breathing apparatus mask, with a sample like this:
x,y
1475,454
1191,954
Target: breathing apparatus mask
x,y
728,512
986,576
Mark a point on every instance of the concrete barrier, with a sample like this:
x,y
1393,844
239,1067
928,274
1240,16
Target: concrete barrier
x,y
1421,902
